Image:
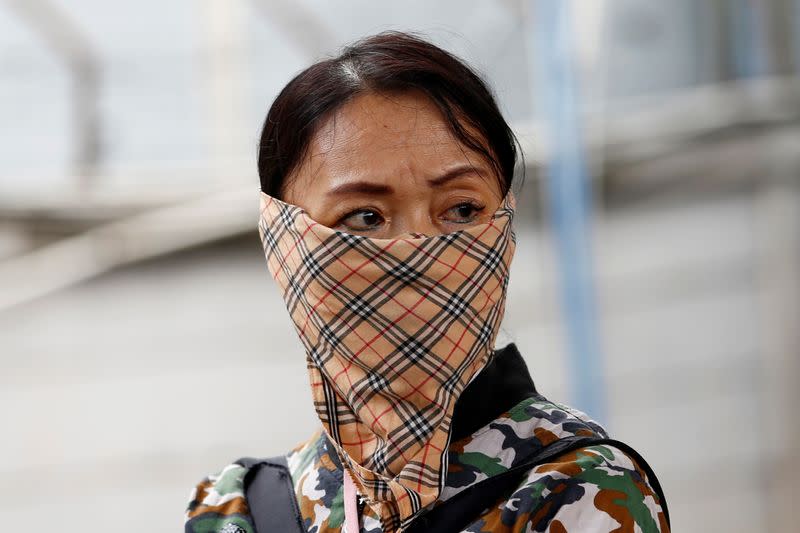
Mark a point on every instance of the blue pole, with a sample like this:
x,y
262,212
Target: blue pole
x,y
750,55
569,198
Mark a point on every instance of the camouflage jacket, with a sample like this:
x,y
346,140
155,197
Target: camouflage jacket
x,y
597,488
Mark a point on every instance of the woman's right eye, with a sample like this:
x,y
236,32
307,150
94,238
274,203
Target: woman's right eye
x,y
361,220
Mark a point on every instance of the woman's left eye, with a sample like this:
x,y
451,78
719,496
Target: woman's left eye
x,y
463,213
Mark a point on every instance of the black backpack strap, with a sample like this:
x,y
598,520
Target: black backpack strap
x,y
456,513
270,496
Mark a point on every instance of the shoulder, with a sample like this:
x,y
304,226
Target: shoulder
x,y
217,504
596,488
599,487
549,421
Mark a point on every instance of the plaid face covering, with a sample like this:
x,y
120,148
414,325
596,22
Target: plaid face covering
x,y
394,330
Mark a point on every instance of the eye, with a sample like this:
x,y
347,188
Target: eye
x,y
463,213
361,220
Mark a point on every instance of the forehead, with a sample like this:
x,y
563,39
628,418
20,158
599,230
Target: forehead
x,y
385,134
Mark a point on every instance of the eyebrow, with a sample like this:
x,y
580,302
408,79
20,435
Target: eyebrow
x,y
365,187
452,174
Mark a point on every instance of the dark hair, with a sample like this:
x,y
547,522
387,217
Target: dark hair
x,y
386,62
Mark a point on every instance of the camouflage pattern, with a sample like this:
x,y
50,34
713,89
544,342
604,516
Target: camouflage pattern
x,y
218,504
598,488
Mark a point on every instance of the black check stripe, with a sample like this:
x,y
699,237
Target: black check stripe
x,y
360,307
415,470
419,426
412,351
404,273
413,433
456,305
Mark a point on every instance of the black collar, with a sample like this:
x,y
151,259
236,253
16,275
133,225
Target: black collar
x,y
500,386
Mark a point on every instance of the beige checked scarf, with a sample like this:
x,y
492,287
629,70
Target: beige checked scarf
x,y
394,330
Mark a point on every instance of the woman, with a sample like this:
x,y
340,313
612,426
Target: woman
x,y
386,211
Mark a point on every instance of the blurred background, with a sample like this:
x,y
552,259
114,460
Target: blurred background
x,y
143,344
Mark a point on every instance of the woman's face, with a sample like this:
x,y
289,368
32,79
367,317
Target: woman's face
x,y
387,164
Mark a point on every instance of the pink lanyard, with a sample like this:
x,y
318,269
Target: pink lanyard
x,y
350,505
